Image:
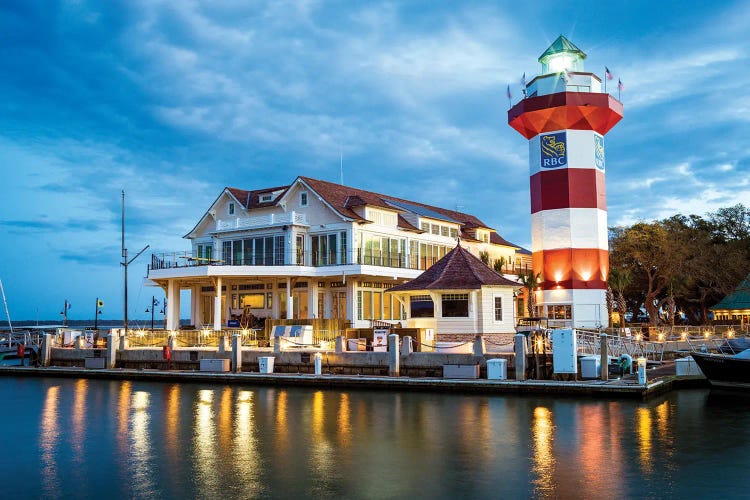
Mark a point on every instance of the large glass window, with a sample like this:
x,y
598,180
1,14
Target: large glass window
x,y
253,300
455,305
562,311
422,306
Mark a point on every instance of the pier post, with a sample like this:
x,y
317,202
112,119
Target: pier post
x,y
46,353
318,360
236,353
124,340
340,344
479,346
171,340
277,344
111,350
520,356
406,347
393,355
223,341
604,361
79,342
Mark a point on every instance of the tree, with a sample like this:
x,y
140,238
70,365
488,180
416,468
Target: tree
x,y
499,265
484,256
530,282
619,280
647,249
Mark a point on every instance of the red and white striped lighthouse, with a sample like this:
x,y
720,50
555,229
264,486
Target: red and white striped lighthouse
x,y
565,116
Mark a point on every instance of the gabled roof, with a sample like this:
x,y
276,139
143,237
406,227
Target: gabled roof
x,y
251,199
562,44
337,195
738,299
458,270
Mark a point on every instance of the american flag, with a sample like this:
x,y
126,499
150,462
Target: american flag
x,y
523,80
608,73
620,86
507,92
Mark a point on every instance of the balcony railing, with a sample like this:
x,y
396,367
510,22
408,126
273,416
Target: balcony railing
x,y
313,259
261,221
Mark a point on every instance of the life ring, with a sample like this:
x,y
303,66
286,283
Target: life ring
x,y
625,361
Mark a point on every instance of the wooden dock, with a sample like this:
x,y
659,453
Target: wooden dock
x,y
626,388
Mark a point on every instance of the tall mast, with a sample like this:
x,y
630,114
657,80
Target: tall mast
x,y
7,314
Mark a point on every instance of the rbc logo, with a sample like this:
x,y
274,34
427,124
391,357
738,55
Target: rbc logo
x,y
599,151
554,152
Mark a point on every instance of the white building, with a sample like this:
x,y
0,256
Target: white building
x,y
315,249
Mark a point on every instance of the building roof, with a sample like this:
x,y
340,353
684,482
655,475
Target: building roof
x,y
337,195
562,44
458,270
251,199
738,299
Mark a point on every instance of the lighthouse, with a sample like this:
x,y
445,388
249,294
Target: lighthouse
x,y
565,115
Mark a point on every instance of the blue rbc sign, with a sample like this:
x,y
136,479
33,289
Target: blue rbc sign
x,y
599,151
554,150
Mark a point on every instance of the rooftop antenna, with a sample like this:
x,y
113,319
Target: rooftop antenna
x,y
341,166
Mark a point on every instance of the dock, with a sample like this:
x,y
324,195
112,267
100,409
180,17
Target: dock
x,y
625,388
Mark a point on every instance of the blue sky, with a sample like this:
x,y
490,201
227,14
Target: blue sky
x,y
173,100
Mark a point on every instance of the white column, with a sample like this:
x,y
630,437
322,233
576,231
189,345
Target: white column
x,y
195,311
475,311
217,305
173,305
289,302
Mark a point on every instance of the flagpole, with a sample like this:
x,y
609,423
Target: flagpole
x,y
605,79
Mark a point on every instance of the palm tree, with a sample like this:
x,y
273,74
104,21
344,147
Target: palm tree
x,y
498,265
530,282
619,280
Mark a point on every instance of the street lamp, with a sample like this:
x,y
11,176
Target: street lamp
x,y
154,305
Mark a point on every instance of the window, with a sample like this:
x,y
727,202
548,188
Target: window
x,y
454,232
253,300
303,199
559,311
422,306
425,226
498,308
455,305
230,209
266,197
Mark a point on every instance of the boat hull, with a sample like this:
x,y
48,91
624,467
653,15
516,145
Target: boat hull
x,y
724,371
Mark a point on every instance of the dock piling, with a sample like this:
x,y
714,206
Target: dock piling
x,y
604,361
236,353
340,344
393,355
479,346
111,350
520,356
406,347
46,353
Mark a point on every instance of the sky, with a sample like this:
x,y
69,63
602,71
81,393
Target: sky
x,y
171,101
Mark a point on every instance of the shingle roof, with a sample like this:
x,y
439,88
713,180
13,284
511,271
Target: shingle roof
x,y
738,299
336,195
251,199
458,270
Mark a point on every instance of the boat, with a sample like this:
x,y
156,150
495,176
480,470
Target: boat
x,y
725,370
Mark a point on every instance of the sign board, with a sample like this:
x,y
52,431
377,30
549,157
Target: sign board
x,y
554,150
380,340
564,351
599,151
429,335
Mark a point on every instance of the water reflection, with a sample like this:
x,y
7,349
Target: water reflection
x,y
251,443
543,460
140,452
204,444
49,434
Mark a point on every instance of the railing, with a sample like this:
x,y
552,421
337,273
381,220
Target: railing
x,y
261,221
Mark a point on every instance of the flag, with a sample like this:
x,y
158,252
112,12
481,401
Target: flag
x,y
507,92
523,80
68,305
99,303
620,86
608,73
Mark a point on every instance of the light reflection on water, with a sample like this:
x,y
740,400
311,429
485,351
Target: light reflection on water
x,y
148,440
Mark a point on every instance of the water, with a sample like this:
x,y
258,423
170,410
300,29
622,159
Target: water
x,y
89,438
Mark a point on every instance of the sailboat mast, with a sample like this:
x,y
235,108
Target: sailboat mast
x,y
7,314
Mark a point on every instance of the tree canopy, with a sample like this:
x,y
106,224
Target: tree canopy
x,y
681,264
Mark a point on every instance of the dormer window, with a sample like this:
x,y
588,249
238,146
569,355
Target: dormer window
x,y
303,199
230,209
266,198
